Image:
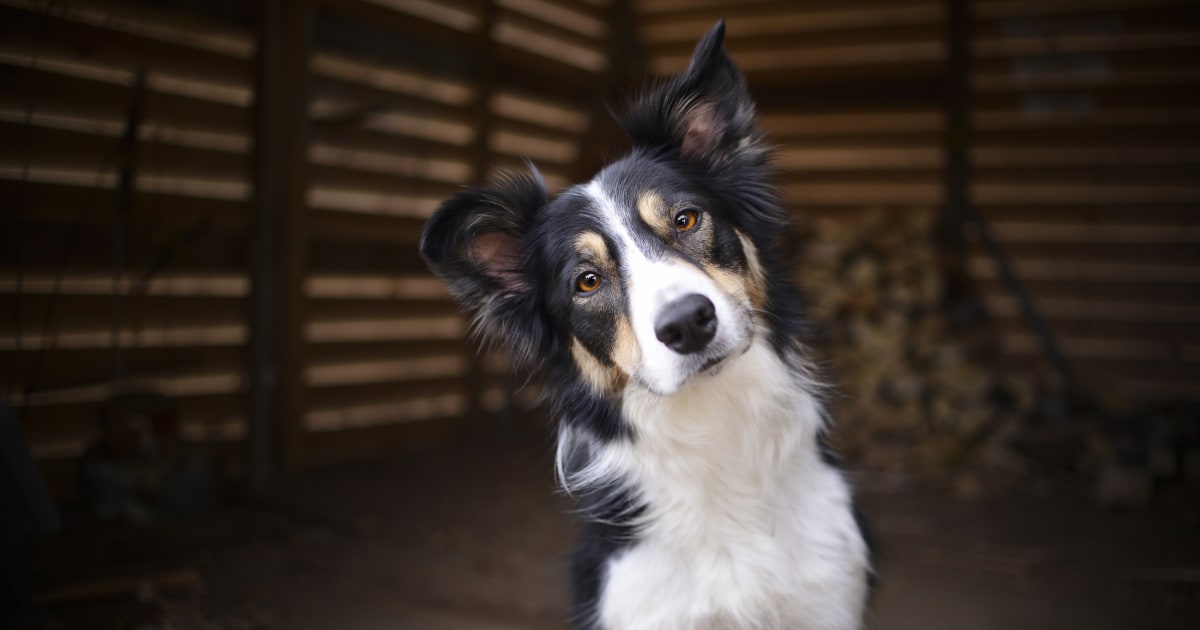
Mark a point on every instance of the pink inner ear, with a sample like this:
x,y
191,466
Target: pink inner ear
x,y
703,130
498,255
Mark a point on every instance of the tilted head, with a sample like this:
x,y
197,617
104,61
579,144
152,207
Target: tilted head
x,y
656,272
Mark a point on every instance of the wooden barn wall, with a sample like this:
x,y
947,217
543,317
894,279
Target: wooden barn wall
x,y
1083,159
393,118
1083,153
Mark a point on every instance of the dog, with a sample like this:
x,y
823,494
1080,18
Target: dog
x,y
655,304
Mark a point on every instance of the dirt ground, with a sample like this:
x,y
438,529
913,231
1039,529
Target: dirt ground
x,y
473,536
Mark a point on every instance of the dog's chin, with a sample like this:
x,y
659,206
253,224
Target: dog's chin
x,y
693,371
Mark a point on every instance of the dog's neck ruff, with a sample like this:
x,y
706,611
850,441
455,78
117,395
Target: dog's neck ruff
x,y
739,510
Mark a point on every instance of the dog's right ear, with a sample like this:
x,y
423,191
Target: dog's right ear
x,y
475,241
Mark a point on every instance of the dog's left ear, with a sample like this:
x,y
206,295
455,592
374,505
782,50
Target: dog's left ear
x,y
705,114
476,242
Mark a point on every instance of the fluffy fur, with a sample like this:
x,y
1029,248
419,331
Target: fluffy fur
x,y
654,303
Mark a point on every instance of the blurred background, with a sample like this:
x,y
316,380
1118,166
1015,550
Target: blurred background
x,y
233,396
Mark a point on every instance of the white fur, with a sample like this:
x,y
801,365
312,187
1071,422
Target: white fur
x,y
746,527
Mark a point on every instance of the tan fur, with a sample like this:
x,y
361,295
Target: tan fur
x,y
607,379
651,209
591,246
599,376
756,285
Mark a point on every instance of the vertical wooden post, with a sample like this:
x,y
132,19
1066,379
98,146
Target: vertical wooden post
x,y
958,211
481,158
280,243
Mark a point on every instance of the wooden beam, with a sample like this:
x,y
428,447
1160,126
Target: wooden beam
x,y
277,400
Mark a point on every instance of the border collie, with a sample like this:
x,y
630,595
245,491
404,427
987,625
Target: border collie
x,y
655,304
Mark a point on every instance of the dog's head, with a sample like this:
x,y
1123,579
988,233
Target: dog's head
x,y
655,271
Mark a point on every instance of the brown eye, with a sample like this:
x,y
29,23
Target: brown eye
x,y
686,220
587,282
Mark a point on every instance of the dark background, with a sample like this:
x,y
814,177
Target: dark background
x,y
234,397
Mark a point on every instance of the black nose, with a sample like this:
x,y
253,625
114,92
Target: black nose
x,y
687,324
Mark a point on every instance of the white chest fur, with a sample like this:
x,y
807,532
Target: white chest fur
x,y
746,527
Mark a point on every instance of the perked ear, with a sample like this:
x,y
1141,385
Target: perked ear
x,y
475,243
704,113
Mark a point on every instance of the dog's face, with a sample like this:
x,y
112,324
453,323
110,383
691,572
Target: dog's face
x,y
650,274
654,282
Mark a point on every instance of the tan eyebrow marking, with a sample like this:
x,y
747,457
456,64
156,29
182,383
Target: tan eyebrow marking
x,y
591,246
651,209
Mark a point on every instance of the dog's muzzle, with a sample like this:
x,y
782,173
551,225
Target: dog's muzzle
x,y
687,325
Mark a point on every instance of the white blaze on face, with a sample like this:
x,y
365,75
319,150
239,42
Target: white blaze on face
x,y
651,282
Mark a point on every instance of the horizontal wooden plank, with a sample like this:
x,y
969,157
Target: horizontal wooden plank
x,y
1168,253
447,171
1070,99
1114,290
57,33
374,288
39,367
385,34
57,93
1092,348
1108,318
365,78
333,398
518,32
1151,17
62,149
389,370
365,257
150,249
750,45
850,179
331,93
857,158
353,226
349,309
1176,38
1174,175
330,176
863,88
1115,122
66,312
1025,8
882,194
349,133
780,124
1148,215
130,336
988,156
331,352
1137,80
1087,271
715,9
90,204
572,19
1007,192
377,330
752,20
830,55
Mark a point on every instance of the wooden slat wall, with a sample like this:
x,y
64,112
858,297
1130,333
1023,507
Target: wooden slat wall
x,y
1084,158
1086,163
398,120
67,76
845,89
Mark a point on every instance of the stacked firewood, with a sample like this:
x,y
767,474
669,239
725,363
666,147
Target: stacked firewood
x,y
914,392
